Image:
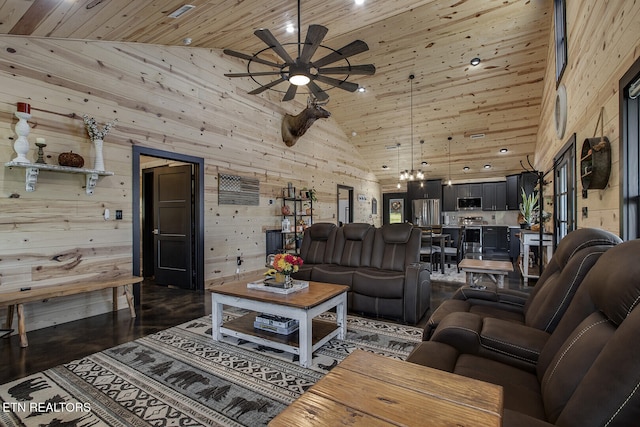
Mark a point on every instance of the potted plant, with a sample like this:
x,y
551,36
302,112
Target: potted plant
x,y
528,208
310,194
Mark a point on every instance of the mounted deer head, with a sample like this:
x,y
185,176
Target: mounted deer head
x,y
293,127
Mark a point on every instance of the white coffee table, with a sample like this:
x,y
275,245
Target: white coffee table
x,y
302,306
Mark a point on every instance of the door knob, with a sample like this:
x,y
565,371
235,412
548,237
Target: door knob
x,y
156,231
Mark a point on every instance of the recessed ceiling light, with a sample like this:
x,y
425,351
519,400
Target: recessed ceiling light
x,y
424,163
359,2
181,11
354,133
487,166
466,168
503,150
384,166
361,89
187,41
475,61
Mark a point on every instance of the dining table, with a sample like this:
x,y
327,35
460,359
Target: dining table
x,y
442,239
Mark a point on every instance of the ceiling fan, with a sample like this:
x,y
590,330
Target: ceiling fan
x,y
304,71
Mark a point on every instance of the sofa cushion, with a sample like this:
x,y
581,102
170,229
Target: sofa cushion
x,y
332,273
317,243
378,283
353,245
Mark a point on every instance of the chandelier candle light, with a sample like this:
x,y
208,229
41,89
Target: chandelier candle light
x,y
97,137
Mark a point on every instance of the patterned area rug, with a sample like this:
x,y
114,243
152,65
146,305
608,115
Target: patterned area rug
x,y
181,377
450,275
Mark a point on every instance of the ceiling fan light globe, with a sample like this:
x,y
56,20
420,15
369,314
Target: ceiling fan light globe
x,y
299,79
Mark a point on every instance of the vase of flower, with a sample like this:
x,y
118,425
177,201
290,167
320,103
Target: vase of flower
x,y
283,266
98,163
97,137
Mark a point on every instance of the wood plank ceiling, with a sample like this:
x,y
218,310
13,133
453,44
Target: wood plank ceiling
x,y
434,40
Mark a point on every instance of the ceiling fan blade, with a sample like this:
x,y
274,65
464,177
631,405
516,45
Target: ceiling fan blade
x,y
348,86
315,34
291,93
363,70
317,92
250,58
266,36
353,48
262,73
267,86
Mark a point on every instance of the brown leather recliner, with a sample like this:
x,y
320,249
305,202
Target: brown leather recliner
x,y
395,284
544,306
381,266
588,373
316,248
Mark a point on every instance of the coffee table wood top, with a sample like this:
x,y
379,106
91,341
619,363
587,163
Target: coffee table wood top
x,y
370,390
315,294
482,264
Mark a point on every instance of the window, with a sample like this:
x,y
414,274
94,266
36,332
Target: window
x,y
630,155
564,190
560,22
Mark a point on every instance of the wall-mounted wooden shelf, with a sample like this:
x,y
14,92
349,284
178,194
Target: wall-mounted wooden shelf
x,y
33,169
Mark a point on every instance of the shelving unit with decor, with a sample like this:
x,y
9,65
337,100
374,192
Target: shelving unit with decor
x,y
595,163
297,208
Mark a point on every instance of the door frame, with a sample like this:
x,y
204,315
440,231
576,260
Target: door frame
x,y
198,163
350,190
629,145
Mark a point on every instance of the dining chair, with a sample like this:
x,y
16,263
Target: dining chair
x,y
455,252
427,248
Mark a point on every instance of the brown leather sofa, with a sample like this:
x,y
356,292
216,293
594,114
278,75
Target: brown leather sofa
x,y
588,372
380,265
543,307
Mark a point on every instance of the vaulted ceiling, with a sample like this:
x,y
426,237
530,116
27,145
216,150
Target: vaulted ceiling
x,y
434,40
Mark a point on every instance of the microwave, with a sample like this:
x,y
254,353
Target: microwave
x,y
469,203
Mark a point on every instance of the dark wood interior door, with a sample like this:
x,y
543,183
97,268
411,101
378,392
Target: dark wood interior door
x,y
173,226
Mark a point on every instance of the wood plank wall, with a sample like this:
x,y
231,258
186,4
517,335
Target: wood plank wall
x,y
169,98
603,43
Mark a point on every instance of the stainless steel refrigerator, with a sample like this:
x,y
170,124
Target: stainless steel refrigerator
x,y
426,212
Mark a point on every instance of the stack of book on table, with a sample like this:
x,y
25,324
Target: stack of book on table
x,y
278,324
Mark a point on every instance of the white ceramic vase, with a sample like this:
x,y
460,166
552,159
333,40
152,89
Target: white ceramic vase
x,y
98,163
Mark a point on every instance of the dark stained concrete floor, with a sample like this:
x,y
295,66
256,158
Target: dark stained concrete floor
x,y
160,308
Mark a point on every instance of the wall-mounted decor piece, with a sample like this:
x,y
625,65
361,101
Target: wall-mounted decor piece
x,y
238,190
595,163
21,145
561,111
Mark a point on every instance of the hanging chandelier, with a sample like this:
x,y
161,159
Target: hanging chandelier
x,y
406,175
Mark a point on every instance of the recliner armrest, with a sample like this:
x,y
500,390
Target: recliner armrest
x,y
511,418
512,343
460,330
492,294
417,292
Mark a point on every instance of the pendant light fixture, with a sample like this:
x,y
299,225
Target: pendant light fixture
x,y
406,175
449,181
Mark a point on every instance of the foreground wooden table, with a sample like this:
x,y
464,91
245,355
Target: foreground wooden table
x,y
496,270
370,390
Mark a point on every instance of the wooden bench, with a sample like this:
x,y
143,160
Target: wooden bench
x,y
16,299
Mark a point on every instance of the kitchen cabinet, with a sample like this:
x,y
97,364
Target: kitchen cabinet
x,y
431,189
494,196
469,190
515,184
495,240
449,198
